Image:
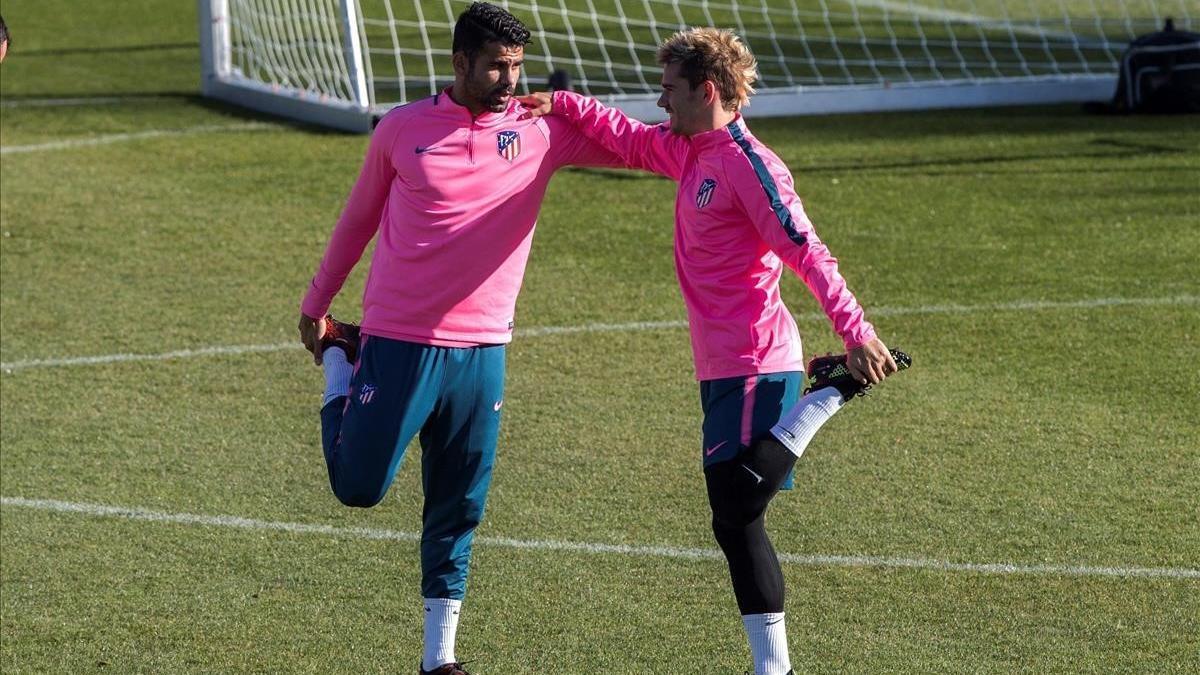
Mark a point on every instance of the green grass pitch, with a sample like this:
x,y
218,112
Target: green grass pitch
x,y
1023,500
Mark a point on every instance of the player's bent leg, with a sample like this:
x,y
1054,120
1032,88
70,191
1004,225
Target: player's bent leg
x,y
739,491
364,434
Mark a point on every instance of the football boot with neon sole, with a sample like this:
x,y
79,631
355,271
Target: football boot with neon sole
x,y
831,371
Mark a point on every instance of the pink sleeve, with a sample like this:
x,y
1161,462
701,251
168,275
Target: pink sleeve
x,y
359,221
651,148
570,147
770,201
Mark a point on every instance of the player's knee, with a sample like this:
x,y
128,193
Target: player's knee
x,y
729,514
357,494
725,532
452,518
360,500
730,525
733,496
473,517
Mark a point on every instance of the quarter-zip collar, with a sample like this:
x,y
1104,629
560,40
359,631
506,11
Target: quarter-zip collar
x,y
718,136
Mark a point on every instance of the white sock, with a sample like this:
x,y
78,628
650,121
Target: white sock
x,y
798,425
768,643
338,372
441,624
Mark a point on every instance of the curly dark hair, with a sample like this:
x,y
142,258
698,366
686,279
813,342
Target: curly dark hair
x,y
482,23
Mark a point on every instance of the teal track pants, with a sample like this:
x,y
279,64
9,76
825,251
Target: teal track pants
x,y
452,397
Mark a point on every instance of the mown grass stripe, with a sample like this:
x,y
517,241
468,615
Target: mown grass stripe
x,y
910,8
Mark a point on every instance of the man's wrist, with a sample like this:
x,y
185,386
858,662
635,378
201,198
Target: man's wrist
x,y
859,340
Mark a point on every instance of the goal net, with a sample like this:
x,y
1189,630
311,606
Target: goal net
x,y
343,62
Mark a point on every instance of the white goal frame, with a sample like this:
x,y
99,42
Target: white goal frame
x,y
344,96
219,80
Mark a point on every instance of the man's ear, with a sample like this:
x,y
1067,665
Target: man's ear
x,y
459,60
711,95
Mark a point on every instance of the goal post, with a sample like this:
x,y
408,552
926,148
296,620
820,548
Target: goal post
x,y
300,60
342,63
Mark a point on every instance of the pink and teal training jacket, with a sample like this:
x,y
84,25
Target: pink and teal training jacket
x,y
738,222
454,201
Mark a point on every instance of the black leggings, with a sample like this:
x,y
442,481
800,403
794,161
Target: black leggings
x,y
738,492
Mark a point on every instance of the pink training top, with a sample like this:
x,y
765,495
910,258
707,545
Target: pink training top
x,y
738,221
454,200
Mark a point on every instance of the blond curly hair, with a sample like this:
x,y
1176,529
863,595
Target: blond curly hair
x,y
713,54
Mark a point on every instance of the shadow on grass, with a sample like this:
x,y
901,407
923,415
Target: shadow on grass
x,y
246,114
187,98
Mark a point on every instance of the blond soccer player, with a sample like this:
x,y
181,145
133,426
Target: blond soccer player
x,y
738,224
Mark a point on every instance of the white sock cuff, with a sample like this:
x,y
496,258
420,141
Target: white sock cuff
x,y
338,373
434,604
768,643
797,426
441,626
759,621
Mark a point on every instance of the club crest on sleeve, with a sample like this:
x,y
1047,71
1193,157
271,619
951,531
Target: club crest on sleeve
x,y
508,144
704,195
367,394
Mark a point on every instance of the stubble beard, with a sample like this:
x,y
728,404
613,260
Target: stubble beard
x,y
490,97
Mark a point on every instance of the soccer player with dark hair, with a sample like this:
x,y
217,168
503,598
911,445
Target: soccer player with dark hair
x,y
451,186
738,222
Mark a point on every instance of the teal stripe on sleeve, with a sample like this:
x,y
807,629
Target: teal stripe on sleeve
x,y
767,181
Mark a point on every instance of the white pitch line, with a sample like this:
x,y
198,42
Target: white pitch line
x,y
633,327
108,139
59,102
237,522
164,356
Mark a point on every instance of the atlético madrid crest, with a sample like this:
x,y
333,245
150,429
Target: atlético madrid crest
x,y
508,144
704,196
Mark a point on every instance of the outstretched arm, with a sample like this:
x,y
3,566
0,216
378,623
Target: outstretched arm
x,y
652,148
769,200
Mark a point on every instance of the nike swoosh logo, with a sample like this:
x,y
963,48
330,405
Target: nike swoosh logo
x,y
497,405
752,473
421,150
710,451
